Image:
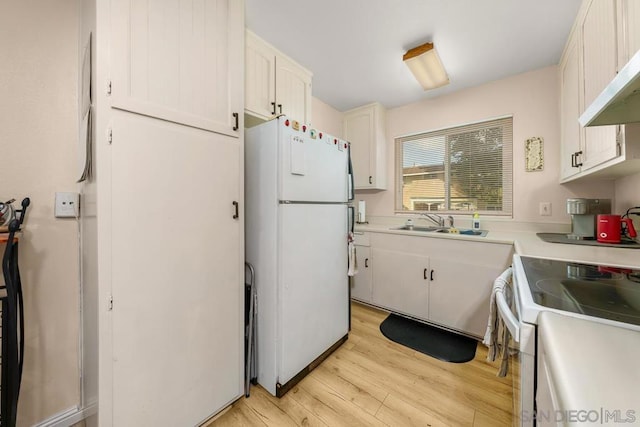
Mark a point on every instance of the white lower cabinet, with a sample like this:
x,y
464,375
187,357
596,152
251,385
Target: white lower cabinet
x,y
443,281
462,278
361,282
401,282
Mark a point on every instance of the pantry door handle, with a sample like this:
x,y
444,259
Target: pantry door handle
x,y
237,214
366,263
431,275
273,104
235,115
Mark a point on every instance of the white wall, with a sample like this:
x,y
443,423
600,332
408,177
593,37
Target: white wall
x,y
38,137
326,118
532,99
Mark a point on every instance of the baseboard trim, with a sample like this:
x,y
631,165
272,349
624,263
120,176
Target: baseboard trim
x,y
69,417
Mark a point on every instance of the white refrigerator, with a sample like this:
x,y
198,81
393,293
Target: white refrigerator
x,y
297,189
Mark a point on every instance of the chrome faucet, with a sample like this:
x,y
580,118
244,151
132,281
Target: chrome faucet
x,y
450,221
435,218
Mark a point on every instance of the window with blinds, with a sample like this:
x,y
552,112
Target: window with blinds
x,y
464,169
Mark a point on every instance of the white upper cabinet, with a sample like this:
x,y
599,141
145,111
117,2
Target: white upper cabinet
x,y
628,30
599,48
274,83
293,90
364,128
179,61
260,80
605,35
570,108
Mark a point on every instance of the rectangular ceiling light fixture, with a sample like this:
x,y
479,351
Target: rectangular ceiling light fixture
x,y
425,64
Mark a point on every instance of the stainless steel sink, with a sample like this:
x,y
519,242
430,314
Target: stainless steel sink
x,y
416,228
463,231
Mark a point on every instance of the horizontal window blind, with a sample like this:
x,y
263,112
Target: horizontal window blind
x,y
463,169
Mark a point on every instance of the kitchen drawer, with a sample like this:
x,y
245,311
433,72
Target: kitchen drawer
x,y
361,238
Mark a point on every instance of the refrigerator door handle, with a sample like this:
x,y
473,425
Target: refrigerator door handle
x,y
352,211
351,179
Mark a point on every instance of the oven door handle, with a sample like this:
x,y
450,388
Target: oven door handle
x,y
510,321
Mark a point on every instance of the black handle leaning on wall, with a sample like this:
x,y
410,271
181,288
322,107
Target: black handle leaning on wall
x,y
12,315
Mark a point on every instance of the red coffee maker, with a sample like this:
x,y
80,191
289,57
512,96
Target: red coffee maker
x,y
609,228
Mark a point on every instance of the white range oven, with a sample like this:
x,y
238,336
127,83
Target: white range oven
x,y
609,295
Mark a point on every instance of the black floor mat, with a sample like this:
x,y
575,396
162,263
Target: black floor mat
x,y
435,342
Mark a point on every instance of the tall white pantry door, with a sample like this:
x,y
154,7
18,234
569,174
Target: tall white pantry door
x,y
175,171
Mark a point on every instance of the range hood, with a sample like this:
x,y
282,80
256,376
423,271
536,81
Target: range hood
x,y
619,102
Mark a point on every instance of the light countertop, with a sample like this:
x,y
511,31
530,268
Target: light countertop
x,y
528,244
592,366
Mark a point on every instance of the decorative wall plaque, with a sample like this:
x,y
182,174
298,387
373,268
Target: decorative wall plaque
x,y
534,154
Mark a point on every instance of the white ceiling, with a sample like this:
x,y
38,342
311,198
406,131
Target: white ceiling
x,y
354,47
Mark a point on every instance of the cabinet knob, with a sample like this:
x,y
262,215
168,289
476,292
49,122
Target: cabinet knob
x,y
578,163
280,107
431,275
370,180
366,263
273,104
425,274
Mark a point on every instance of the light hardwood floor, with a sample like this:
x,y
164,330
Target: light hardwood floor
x,y
372,381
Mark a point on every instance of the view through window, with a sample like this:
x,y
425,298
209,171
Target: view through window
x,y
463,169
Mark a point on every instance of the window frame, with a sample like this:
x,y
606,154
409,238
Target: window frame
x,y
507,161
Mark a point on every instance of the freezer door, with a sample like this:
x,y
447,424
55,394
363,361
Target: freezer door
x,y
313,165
313,286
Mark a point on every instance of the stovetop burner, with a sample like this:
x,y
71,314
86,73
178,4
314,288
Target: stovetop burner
x,y
600,291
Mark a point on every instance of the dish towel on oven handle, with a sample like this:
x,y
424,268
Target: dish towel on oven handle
x,y
353,264
497,335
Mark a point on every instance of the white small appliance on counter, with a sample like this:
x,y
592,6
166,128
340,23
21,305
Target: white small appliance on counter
x,y
297,188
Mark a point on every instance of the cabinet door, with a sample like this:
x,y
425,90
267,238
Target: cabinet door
x,y
401,282
631,19
179,61
177,323
260,80
359,131
600,67
361,282
461,288
570,109
293,90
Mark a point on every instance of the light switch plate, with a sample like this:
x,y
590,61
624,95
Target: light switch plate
x,y
67,205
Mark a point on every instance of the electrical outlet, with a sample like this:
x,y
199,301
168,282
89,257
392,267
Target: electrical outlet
x,y
67,205
545,208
